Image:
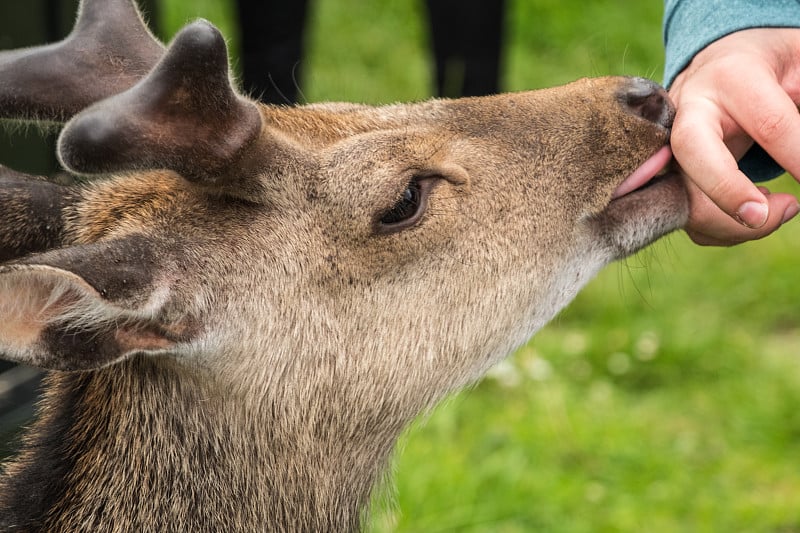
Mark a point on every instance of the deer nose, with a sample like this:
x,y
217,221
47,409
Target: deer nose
x,y
648,100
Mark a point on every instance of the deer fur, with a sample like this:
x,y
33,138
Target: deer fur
x,y
236,332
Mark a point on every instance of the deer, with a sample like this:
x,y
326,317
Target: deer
x,y
240,306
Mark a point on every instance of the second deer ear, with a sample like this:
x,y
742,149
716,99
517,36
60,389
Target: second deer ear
x,y
89,306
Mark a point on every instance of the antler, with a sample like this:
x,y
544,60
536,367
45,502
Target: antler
x,y
184,116
108,51
149,109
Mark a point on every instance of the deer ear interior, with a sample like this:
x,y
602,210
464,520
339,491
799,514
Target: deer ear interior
x,y
61,311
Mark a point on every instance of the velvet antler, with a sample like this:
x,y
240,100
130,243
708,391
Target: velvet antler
x,y
135,106
184,116
108,51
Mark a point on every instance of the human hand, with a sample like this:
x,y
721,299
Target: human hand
x,y
742,88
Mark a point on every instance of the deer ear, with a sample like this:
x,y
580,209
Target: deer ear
x,y
87,306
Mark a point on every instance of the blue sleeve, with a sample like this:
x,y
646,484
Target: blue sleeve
x,y
691,25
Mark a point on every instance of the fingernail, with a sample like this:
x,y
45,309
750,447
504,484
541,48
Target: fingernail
x,y
790,212
752,214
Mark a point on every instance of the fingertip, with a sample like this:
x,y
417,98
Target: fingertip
x,y
790,212
752,214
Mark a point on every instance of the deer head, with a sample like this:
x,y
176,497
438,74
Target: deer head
x,y
333,268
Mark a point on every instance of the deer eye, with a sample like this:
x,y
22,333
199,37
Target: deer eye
x,y
409,208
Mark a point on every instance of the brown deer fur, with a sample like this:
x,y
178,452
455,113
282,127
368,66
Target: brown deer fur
x,y
236,338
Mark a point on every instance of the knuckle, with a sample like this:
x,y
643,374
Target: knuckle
x,y
771,126
715,198
703,240
699,238
720,190
679,133
681,136
727,68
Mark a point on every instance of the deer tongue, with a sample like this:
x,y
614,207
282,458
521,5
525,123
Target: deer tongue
x,y
645,172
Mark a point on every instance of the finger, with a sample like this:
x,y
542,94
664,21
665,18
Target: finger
x,y
698,145
709,226
768,114
714,223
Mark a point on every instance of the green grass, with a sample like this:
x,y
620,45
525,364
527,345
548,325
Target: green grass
x,y
666,398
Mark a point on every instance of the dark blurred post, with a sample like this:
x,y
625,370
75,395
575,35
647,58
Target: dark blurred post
x,y
272,42
467,37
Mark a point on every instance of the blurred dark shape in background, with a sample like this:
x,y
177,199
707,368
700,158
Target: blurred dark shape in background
x,y
466,42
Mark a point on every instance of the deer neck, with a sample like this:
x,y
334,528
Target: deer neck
x,y
144,445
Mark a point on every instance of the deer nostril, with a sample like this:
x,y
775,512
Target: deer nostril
x,y
648,100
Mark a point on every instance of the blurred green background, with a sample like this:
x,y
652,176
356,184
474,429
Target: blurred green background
x,y
665,398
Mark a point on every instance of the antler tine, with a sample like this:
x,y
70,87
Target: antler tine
x,y
108,51
185,116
